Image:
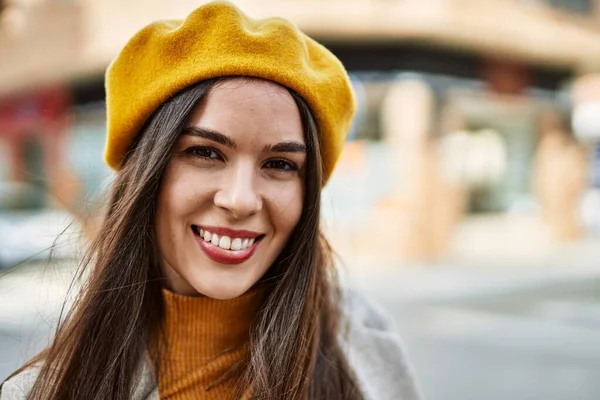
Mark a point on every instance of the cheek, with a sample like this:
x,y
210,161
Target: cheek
x,y
287,206
179,194
176,198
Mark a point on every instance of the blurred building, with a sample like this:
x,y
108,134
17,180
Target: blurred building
x,y
480,78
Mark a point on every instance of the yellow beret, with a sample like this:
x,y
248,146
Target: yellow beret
x,y
218,40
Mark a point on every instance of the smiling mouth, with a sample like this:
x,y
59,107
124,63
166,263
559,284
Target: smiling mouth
x,y
225,249
225,242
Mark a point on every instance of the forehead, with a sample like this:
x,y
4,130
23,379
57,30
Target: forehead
x,y
252,109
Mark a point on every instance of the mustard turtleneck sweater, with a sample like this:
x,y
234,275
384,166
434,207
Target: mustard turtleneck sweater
x,y
204,339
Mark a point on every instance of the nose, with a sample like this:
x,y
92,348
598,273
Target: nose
x,y
238,193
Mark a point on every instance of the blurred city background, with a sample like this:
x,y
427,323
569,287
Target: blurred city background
x,y
467,199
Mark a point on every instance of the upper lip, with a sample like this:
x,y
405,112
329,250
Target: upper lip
x,y
236,233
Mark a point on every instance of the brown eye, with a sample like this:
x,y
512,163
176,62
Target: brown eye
x,y
204,152
281,165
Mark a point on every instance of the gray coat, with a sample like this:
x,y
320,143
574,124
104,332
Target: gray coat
x,y
373,348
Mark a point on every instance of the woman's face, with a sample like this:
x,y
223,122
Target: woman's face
x,y
233,190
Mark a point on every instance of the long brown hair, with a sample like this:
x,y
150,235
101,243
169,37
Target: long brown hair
x,y
294,348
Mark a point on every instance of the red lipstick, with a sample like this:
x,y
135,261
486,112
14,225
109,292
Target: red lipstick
x,y
223,256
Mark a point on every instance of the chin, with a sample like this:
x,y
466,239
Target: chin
x,y
225,294
223,290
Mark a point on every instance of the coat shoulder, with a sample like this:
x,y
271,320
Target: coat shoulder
x,y
366,313
376,352
18,386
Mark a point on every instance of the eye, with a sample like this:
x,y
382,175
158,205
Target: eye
x,y
281,165
204,152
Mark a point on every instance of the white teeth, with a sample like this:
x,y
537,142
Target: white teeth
x,y
236,244
225,242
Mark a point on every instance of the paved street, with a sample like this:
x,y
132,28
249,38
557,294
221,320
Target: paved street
x,y
470,333
485,337
469,353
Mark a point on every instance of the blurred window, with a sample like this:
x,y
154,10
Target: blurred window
x,y
85,150
5,157
17,196
596,166
515,125
370,88
584,7
34,176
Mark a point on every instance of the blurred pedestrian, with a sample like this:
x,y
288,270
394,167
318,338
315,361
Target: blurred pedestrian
x,y
210,277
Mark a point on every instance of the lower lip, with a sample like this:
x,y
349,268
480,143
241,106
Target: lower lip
x,y
222,256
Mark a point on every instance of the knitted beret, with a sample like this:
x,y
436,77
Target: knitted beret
x,y
218,40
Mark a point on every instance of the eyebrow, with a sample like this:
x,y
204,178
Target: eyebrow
x,y
210,135
285,147
282,147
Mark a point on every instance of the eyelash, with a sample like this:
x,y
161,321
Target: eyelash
x,y
282,164
288,166
196,149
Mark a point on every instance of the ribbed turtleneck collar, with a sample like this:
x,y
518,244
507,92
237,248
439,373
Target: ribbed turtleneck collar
x,y
203,339
212,325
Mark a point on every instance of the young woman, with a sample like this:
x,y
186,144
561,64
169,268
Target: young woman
x,y
210,278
